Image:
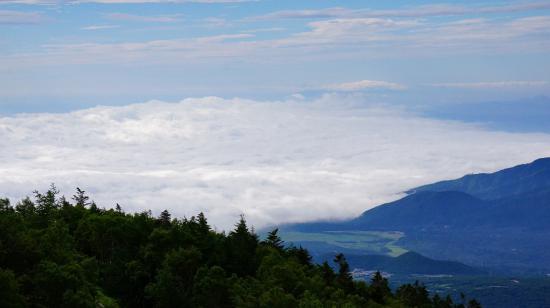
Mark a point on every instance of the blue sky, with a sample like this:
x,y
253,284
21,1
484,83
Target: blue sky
x,y
67,55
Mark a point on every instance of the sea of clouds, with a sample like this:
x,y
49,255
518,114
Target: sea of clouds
x,y
274,161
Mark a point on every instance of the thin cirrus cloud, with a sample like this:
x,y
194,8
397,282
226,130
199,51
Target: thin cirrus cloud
x,y
29,2
364,85
143,18
418,11
17,18
324,39
62,2
274,161
158,1
99,27
492,84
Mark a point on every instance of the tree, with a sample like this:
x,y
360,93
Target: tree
x,y
274,240
5,205
26,208
174,282
473,304
343,278
165,218
204,228
81,198
242,249
94,209
46,203
414,295
66,285
277,298
327,273
57,254
301,254
10,297
379,288
211,288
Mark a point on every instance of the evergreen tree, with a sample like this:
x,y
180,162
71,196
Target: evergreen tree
x,y
274,240
204,228
379,288
242,248
327,273
57,254
344,278
414,295
81,198
165,218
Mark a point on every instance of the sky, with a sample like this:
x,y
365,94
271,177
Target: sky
x,y
66,55
281,110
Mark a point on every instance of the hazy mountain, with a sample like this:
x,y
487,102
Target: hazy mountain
x,y
499,220
512,181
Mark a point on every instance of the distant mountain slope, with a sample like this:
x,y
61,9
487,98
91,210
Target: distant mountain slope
x,y
430,210
440,210
411,263
422,210
512,181
499,220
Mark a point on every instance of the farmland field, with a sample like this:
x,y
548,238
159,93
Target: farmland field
x,y
365,242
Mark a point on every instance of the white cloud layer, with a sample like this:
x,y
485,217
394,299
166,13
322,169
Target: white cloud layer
x,y
276,162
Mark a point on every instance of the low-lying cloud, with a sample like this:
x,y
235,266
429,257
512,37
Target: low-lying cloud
x,y
276,162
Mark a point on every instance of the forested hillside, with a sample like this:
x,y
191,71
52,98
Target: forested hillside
x,y
60,253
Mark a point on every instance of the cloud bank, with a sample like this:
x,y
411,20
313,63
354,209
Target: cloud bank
x,y
280,161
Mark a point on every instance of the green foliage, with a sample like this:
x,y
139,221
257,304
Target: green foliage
x,y
174,281
414,295
57,254
274,240
379,288
9,290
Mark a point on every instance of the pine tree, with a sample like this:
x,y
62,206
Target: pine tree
x,y
274,240
243,245
81,198
203,223
344,277
379,288
327,273
165,218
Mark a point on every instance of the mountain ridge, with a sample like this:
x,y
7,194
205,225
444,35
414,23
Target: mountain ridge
x,y
497,220
503,183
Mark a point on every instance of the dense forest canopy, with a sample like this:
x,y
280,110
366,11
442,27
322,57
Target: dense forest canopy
x,y
60,253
